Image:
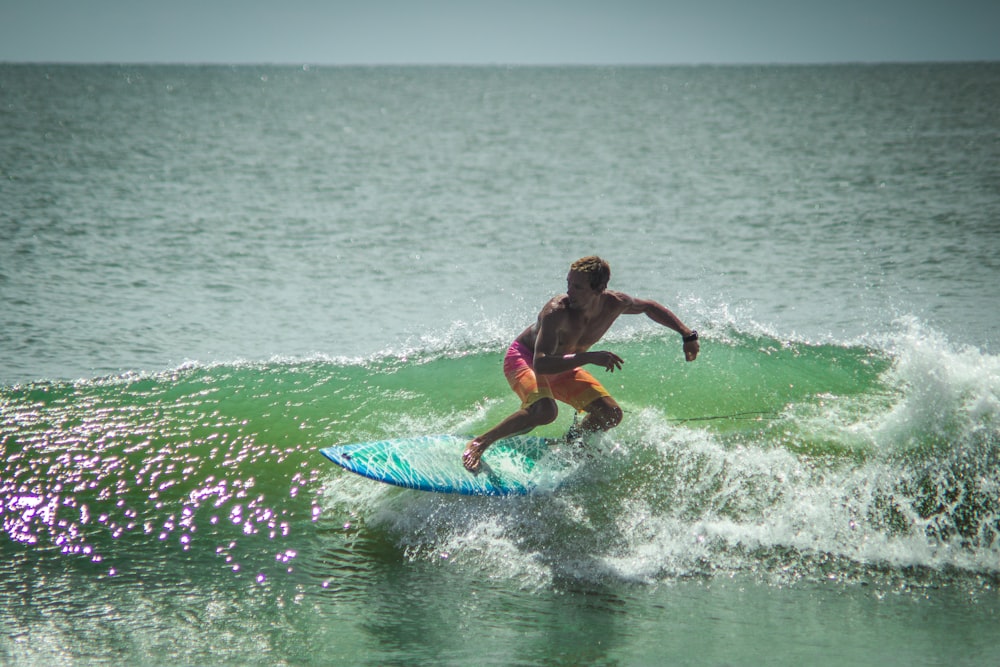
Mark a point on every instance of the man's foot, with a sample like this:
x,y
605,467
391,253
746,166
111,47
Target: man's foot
x,y
470,457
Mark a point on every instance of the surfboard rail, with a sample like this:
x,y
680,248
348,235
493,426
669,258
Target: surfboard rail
x,y
514,466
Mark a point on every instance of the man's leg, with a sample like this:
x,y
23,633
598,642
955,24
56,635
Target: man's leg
x,y
543,411
584,392
603,414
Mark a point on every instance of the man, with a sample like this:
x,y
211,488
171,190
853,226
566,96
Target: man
x,y
544,363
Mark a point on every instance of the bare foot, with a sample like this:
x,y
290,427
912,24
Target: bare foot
x,y
470,457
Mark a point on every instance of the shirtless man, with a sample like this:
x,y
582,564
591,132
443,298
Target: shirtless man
x,y
544,363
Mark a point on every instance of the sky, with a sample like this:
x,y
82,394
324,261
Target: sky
x,y
512,32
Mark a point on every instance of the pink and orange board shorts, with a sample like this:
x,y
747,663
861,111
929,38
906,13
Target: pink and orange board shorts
x,y
575,387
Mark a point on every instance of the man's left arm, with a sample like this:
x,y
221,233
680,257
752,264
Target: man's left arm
x,y
664,316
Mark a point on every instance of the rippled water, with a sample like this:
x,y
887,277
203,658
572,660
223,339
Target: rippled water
x,y
209,273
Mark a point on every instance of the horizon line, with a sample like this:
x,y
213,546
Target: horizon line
x,y
318,64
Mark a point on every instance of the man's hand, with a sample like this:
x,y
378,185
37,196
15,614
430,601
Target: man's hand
x,y
691,350
609,360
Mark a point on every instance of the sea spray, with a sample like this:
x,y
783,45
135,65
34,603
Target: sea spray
x,y
815,485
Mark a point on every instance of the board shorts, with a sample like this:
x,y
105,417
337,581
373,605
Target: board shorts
x,y
575,387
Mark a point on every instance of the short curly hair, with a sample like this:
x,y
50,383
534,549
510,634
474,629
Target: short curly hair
x,y
598,270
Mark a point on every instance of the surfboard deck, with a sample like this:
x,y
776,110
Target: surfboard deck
x,y
514,466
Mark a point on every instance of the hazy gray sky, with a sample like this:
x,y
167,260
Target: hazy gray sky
x,y
502,31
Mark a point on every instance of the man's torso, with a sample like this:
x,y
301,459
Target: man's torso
x,y
575,330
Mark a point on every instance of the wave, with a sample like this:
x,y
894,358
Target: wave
x,y
787,459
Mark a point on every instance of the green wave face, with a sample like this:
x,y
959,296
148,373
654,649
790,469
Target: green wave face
x,y
760,447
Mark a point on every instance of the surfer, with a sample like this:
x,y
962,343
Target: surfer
x,y
544,363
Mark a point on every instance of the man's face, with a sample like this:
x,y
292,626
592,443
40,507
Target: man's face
x,y
579,291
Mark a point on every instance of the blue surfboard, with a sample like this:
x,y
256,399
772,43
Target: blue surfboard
x,y
511,467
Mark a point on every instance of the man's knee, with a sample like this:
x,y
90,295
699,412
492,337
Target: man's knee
x,y
612,416
606,412
543,411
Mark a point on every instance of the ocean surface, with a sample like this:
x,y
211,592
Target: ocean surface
x,y
209,273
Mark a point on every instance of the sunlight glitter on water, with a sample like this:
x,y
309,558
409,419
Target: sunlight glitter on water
x,y
85,477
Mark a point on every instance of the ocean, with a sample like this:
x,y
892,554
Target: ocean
x,y
208,273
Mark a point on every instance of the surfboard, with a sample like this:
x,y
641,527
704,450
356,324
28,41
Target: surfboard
x,y
513,466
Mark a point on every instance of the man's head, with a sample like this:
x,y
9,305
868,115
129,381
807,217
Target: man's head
x,y
598,271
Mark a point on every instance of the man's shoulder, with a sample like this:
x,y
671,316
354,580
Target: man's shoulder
x,y
618,299
557,306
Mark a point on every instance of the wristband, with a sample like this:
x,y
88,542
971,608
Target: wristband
x,y
691,337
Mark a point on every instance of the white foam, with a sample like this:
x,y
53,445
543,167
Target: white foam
x,y
943,391
661,502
